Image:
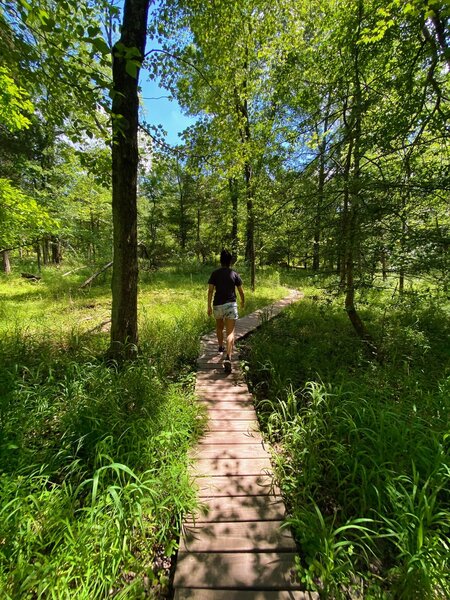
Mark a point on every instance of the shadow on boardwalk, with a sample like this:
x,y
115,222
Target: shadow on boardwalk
x,y
236,547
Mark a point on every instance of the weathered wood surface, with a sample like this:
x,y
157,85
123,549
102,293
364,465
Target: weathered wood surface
x,y
234,547
237,537
231,466
239,508
216,594
238,570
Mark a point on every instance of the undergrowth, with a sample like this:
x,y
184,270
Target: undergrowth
x,y
94,458
93,483
362,447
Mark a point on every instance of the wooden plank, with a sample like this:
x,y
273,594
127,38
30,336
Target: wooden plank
x,y
231,466
230,437
219,388
240,570
236,485
253,450
233,379
224,395
232,425
218,381
226,404
261,536
209,391
218,402
203,594
230,394
217,376
231,413
239,508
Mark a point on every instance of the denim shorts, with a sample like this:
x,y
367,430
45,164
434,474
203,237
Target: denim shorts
x,y
226,311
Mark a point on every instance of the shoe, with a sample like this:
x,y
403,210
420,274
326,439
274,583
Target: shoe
x,y
227,364
221,349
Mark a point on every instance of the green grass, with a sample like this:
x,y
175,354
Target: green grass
x,y
363,456
94,460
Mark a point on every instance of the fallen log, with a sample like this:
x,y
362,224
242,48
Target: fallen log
x,y
95,275
31,276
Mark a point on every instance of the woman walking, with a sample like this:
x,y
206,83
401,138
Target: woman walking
x,y
223,283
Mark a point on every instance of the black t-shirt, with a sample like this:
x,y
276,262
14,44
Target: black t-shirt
x,y
225,281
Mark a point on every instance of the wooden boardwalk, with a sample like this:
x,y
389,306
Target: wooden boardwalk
x,y
235,549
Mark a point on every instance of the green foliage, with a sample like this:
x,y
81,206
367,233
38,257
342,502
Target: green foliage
x,y
21,216
363,447
14,103
94,470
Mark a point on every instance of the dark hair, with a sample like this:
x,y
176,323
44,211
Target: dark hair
x,y
226,258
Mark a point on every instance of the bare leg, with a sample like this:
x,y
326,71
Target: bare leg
x,y
219,331
229,326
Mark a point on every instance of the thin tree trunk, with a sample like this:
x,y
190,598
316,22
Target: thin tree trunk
x,y
45,250
93,232
38,255
6,265
182,226
234,197
56,250
440,29
345,220
250,229
384,263
198,242
245,132
354,199
320,194
125,108
404,224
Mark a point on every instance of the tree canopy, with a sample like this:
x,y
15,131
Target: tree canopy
x,y
321,138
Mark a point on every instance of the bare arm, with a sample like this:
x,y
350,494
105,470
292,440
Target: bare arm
x,y
210,295
241,294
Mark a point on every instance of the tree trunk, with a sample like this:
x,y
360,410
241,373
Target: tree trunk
x,y
320,193
250,229
182,225
404,224
345,221
6,265
56,251
245,132
354,200
234,196
384,263
440,29
93,232
45,250
197,238
38,255
125,108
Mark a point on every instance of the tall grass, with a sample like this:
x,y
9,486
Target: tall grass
x,y
94,479
364,448
94,459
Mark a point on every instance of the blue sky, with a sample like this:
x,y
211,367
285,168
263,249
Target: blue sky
x,y
160,110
